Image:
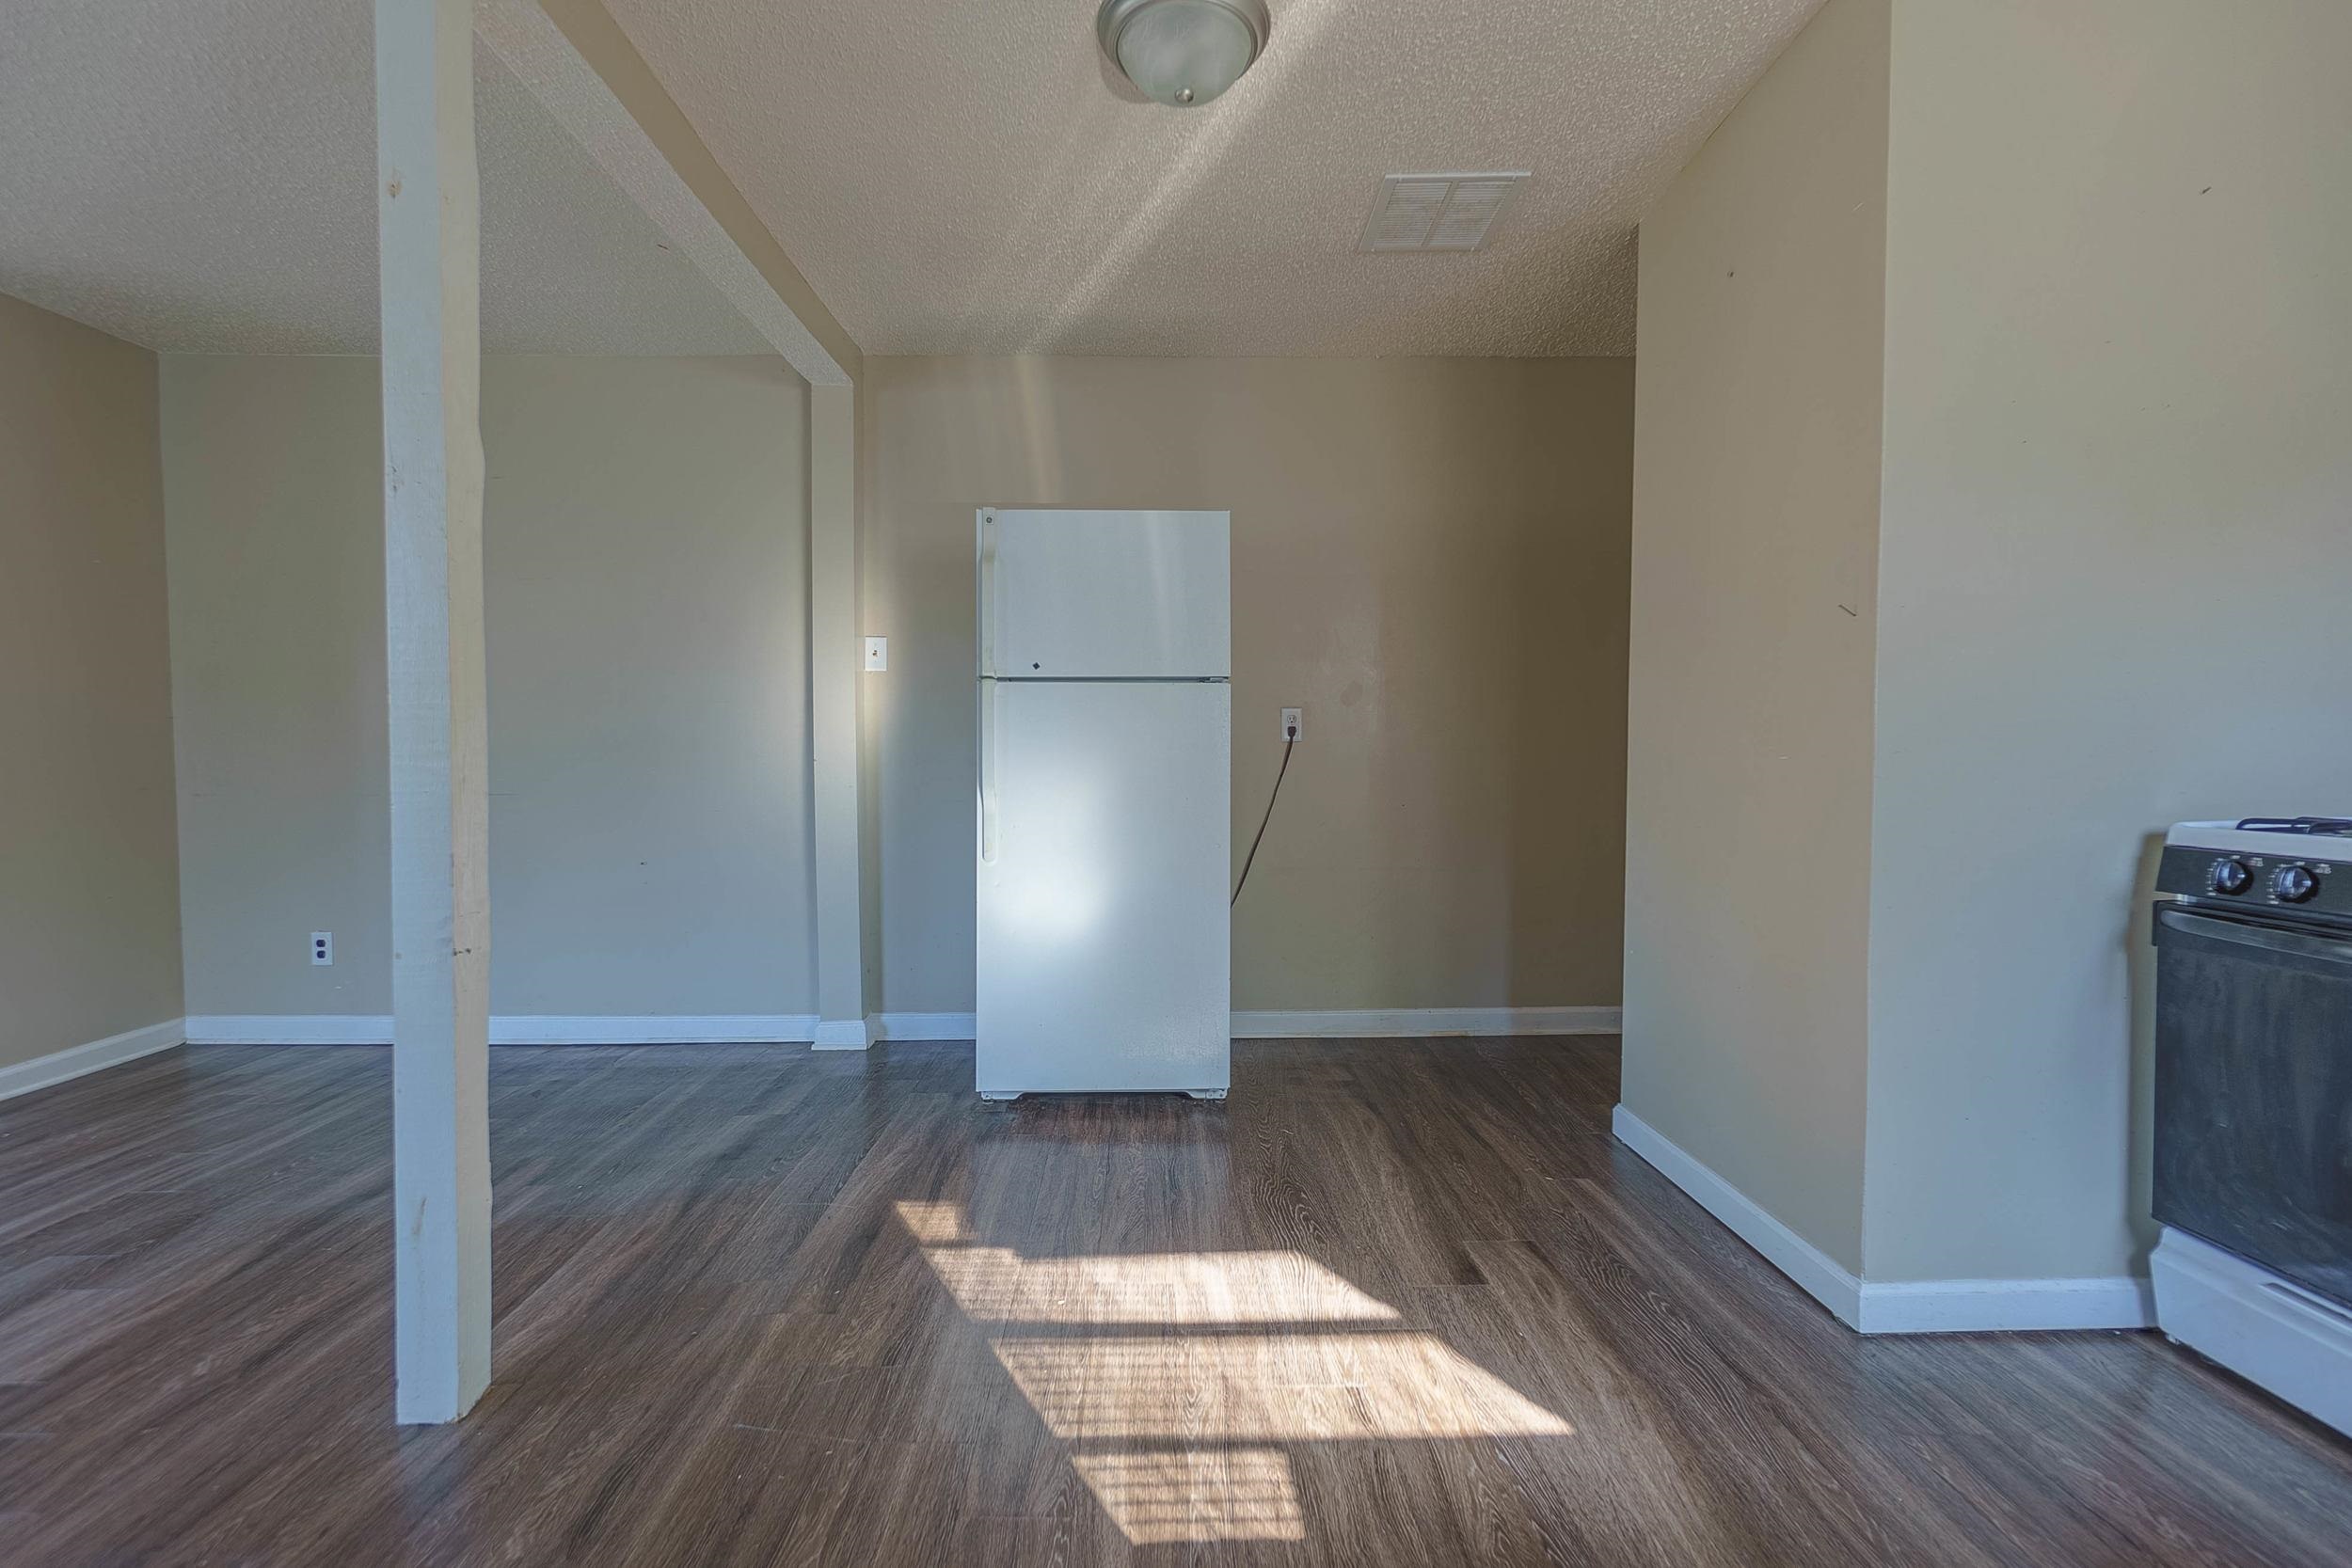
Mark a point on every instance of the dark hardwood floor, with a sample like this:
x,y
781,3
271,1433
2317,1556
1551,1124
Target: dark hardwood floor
x,y
1392,1303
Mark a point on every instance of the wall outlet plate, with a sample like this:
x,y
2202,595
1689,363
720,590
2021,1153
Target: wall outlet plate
x,y
322,947
1294,725
878,652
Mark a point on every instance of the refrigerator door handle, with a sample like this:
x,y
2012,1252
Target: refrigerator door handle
x,y
988,773
988,593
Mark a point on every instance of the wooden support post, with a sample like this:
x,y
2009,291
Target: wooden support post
x,y
835,663
429,269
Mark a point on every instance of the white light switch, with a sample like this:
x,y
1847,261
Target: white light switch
x,y
878,652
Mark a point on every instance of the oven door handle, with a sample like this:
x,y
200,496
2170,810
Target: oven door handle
x,y
2269,939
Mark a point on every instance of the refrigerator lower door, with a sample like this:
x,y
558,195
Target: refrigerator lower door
x,y
1105,961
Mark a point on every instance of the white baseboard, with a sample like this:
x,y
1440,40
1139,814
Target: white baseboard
x,y
514,1029
291,1029
842,1034
74,1060
807,1029
1361,1025
1409,1022
654,1029
1814,1271
1896,1306
2005,1306
921,1026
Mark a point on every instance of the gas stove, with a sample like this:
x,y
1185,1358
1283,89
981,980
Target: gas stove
x,y
2253,1102
2298,868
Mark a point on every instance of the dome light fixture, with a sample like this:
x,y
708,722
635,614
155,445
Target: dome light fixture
x,y
1182,53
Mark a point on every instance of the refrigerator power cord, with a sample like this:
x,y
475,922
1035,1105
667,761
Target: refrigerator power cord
x,y
1289,740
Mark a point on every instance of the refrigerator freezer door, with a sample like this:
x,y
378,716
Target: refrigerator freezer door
x,y
1104,961
1104,595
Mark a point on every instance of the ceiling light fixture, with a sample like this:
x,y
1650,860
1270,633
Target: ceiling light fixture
x,y
1182,53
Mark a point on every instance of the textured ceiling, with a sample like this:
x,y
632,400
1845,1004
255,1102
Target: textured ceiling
x,y
198,176
961,177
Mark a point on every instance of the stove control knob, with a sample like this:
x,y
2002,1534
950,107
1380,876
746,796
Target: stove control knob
x,y
2294,884
2232,876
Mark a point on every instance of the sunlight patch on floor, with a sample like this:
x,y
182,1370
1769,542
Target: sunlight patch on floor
x,y
1172,1428
1278,1387
1165,1495
934,1224
1154,1288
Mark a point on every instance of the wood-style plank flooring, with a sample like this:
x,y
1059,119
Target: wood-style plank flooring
x,y
1392,1303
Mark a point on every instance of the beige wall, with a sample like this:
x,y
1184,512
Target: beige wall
x,y
1429,557
646,552
1756,511
2118,543
90,905
2113,504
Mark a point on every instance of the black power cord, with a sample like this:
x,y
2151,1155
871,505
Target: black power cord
x,y
1290,739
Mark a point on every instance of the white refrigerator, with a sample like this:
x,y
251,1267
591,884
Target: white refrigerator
x,y
1106,759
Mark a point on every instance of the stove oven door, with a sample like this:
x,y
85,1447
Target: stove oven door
x,y
2254,1136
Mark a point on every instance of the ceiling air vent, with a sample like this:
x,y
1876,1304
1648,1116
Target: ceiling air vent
x,y
1438,212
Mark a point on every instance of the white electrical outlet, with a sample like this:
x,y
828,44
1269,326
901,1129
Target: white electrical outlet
x,y
322,947
1291,728
878,652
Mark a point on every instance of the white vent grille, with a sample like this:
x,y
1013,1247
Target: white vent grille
x,y
1438,212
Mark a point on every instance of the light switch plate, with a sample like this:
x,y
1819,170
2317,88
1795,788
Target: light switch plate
x,y
878,652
